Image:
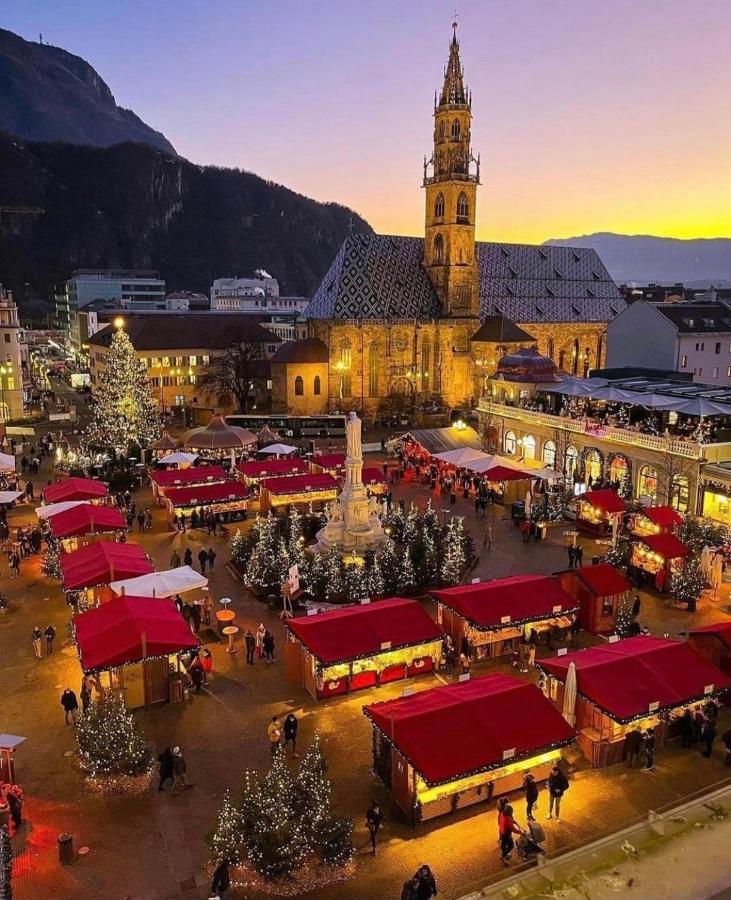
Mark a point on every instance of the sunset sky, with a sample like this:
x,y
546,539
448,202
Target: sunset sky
x,y
590,115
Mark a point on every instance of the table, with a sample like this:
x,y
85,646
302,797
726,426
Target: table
x,y
225,617
231,630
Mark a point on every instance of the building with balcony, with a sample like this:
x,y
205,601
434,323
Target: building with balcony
x,y
11,359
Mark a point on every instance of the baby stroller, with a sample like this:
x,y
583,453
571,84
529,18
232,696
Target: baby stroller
x,y
529,842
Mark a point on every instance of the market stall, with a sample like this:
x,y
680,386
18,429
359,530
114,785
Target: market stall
x,y
600,592
84,524
298,489
495,615
713,642
163,445
599,512
356,647
161,584
53,509
163,480
133,645
218,439
334,463
180,459
253,472
638,683
374,480
656,520
76,489
658,556
86,573
441,750
228,499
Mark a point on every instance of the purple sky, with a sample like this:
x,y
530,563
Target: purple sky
x,y
590,115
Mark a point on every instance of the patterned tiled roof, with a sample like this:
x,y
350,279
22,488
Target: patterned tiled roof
x,y
381,277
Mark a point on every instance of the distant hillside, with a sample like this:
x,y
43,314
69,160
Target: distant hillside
x,y
47,94
64,207
643,258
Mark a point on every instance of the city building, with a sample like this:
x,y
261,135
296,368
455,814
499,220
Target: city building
x,y
300,377
257,295
660,293
11,359
399,314
692,338
178,352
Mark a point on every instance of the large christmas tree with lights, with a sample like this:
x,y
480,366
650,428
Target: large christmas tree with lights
x,y
109,742
125,411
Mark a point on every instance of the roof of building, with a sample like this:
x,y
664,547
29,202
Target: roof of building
x,y
301,484
273,468
462,729
626,677
308,350
75,489
355,632
183,477
329,460
193,331
721,630
603,580
129,629
491,605
500,330
697,318
86,519
101,563
375,276
437,440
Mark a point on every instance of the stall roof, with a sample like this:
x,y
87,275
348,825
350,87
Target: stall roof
x,y
606,499
461,729
355,632
193,475
301,484
721,630
662,515
75,489
373,475
666,545
207,493
86,519
508,601
128,630
603,580
268,468
329,460
506,473
437,440
462,456
101,563
53,509
625,678
161,584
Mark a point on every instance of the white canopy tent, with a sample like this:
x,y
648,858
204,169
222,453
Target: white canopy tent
x,y
178,458
7,462
9,496
279,449
461,456
47,512
161,584
483,466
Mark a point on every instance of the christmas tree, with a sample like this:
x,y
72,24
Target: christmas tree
x,y
688,584
390,566
125,411
6,864
51,565
109,742
228,837
455,560
356,583
312,788
625,625
264,569
334,840
334,577
406,574
376,586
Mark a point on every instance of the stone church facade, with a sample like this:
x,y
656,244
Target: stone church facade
x,y
404,315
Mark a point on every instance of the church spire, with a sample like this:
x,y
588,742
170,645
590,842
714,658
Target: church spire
x,y
453,90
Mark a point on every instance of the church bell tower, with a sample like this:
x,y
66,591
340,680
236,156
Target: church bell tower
x,y
451,177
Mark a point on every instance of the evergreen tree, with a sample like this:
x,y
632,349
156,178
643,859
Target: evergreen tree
x,y
454,560
317,581
624,624
264,569
109,742
688,584
429,575
356,583
6,864
376,586
51,565
334,840
312,788
334,577
228,838
406,575
389,564
125,411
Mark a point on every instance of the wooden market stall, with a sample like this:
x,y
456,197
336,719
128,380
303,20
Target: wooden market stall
x,y
599,512
659,556
713,642
298,489
163,480
494,615
85,524
600,592
334,463
87,572
133,645
374,480
228,499
441,750
639,683
656,520
76,489
253,472
356,647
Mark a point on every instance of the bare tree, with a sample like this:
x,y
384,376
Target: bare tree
x,y
237,370
671,469
489,426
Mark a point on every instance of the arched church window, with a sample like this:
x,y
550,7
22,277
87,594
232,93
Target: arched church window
x,y
463,208
346,358
439,250
442,130
373,366
455,130
439,207
317,386
299,386
425,364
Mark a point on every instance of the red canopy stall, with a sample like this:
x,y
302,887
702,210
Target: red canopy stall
x,y
87,571
659,555
638,683
374,480
228,499
163,480
85,521
297,489
134,642
656,520
75,489
334,463
450,747
600,592
251,473
599,511
347,649
493,615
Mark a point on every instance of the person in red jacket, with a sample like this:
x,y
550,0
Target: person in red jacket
x,y
507,827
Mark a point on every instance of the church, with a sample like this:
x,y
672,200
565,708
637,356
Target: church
x,y
429,318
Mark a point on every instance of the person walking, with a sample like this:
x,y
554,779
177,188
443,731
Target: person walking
x,y
708,736
50,634
507,827
165,761
36,636
531,795
579,556
179,768
268,645
221,879
649,742
632,744
426,883
202,560
195,617
250,642
14,561
85,695
70,706
15,806
188,557
140,521
410,889
374,820
487,540
687,729
290,733
175,560
274,733
260,632
558,784
211,558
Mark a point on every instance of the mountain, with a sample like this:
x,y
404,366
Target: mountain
x,y
47,94
644,259
64,207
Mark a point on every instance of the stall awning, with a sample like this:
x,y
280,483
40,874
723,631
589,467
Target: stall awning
x,y
437,440
721,630
665,545
372,475
161,584
607,500
662,515
462,729
75,489
203,494
129,629
269,468
508,601
301,484
86,519
278,449
462,456
329,460
101,563
503,473
355,632
602,580
169,478
53,509
626,678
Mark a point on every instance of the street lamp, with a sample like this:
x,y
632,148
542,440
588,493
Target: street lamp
x,y
341,367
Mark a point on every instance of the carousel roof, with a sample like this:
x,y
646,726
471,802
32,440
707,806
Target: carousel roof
x,y
207,493
101,563
85,518
665,545
217,435
192,475
164,442
75,489
527,366
266,436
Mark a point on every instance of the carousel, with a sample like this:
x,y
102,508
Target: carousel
x,y
217,439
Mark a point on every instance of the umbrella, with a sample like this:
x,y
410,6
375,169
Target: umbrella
x,y
9,496
569,695
700,407
7,462
279,449
613,395
656,401
461,456
570,389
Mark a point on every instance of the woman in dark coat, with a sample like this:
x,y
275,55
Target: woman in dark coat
x,y
531,795
166,767
221,879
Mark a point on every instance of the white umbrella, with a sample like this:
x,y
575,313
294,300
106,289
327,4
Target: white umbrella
x,y
9,496
178,459
279,449
569,695
461,456
7,462
52,509
161,584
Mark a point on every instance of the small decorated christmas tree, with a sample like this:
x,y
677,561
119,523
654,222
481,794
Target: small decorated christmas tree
x,y
264,569
390,566
625,625
374,575
228,838
406,575
6,864
312,788
51,565
356,583
109,742
334,577
455,560
688,584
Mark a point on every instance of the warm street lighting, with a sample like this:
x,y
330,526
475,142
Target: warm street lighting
x,y
341,367
119,322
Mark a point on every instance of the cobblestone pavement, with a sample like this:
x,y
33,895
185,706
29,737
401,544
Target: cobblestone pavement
x,y
154,846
